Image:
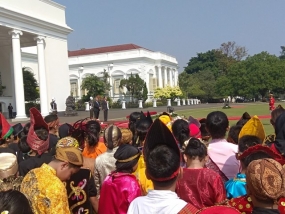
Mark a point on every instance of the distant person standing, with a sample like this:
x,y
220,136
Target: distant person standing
x,y
10,110
91,109
271,102
105,108
96,106
53,106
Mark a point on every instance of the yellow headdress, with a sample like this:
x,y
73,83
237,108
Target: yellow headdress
x,y
253,127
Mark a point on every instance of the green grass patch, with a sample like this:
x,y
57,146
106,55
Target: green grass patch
x,y
235,110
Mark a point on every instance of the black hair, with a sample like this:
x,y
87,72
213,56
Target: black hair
x,y
217,123
162,162
196,148
243,120
142,127
26,128
92,139
14,202
23,145
276,113
255,156
42,133
204,133
234,133
133,118
93,126
247,141
50,118
64,130
180,130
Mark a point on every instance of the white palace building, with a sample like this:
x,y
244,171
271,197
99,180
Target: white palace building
x,y
33,34
155,68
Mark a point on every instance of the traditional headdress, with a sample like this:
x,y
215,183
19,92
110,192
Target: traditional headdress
x,y
219,209
266,179
126,153
112,136
7,130
69,154
67,142
253,127
192,120
8,171
159,134
166,119
33,140
17,128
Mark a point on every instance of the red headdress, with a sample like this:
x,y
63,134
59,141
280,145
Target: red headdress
x,y
7,130
37,121
259,148
159,134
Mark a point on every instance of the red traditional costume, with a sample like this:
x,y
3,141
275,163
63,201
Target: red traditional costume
x,y
271,103
201,187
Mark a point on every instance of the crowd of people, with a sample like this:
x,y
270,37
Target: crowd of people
x,y
166,165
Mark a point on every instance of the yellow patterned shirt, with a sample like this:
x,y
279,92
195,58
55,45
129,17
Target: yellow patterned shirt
x,y
45,191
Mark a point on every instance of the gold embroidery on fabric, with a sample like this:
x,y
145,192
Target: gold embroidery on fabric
x,y
77,191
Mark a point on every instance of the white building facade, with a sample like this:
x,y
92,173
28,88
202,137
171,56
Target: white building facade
x,y
39,27
155,68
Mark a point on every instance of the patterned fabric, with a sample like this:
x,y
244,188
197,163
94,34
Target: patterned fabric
x,y
69,154
67,141
188,209
213,166
11,182
118,191
236,187
104,165
112,136
266,179
127,136
145,183
269,139
201,188
244,204
219,209
45,191
78,191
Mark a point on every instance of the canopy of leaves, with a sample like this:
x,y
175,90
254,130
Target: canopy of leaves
x,y
95,85
134,85
30,85
168,92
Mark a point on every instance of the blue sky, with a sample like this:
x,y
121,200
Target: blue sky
x,y
180,28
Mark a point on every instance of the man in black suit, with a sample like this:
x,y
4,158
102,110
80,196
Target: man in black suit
x,y
96,106
105,108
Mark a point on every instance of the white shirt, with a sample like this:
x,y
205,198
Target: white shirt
x,y
157,202
223,154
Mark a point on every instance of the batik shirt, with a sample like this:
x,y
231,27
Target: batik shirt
x,y
45,191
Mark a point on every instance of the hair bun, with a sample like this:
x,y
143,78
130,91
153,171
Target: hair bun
x,y
194,143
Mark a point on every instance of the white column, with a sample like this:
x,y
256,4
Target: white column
x,y
78,87
111,89
147,83
18,74
165,77
175,78
159,77
42,75
171,77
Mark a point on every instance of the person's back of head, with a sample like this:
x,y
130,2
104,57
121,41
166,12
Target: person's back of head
x,y
52,121
93,126
92,139
112,137
127,157
195,149
233,134
14,202
26,128
64,130
133,118
180,130
248,141
142,127
42,133
276,113
243,120
127,136
265,182
217,124
162,166
23,145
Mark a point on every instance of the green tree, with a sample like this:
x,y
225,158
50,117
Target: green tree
x,y
30,85
134,85
282,52
144,93
94,85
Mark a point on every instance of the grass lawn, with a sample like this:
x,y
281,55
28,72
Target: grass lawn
x,y
236,110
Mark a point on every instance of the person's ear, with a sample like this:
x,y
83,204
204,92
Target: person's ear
x,y
185,158
228,128
180,173
207,159
63,165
